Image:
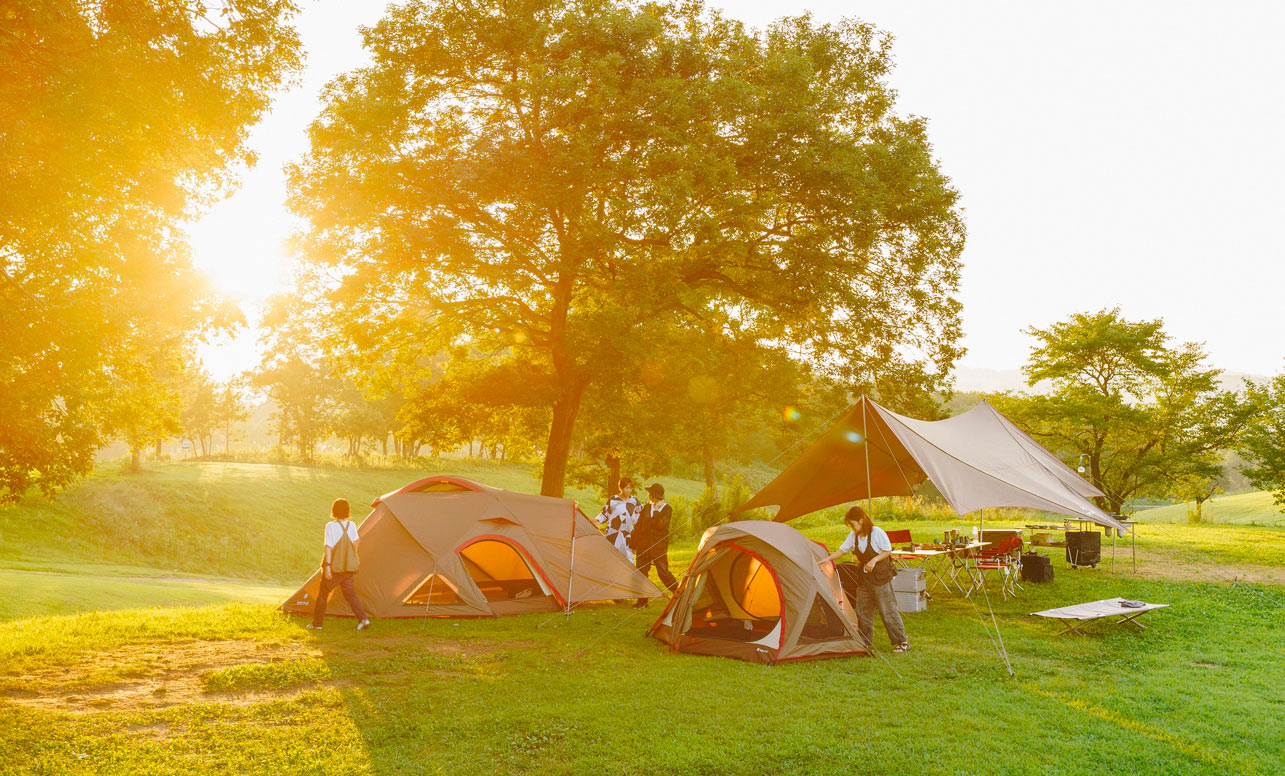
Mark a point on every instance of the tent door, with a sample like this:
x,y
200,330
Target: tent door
x,y
501,571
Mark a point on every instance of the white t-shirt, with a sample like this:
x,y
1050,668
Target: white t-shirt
x,y
334,529
878,538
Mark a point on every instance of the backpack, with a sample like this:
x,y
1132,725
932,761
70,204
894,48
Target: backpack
x,y
343,556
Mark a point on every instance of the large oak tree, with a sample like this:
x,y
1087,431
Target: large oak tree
x,y
568,178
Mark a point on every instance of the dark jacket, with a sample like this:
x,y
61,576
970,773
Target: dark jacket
x,y
651,533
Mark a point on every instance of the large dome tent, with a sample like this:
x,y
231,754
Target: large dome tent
x,y
755,591
450,547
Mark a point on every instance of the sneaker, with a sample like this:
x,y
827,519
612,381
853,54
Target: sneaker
x,y
902,647
310,626
363,625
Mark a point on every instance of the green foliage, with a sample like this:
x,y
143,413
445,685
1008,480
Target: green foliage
x,y
1143,414
583,185
1263,446
119,121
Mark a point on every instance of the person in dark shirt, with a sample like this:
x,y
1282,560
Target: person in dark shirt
x,y
650,539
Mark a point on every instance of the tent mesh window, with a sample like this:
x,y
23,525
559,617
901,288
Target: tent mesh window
x,y
822,623
500,571
435,590
442,486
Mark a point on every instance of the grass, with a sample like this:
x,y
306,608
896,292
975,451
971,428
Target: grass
x,y
1256,508
587,694
235,687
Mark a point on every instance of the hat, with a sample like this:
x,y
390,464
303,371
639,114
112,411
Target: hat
x,y
656,489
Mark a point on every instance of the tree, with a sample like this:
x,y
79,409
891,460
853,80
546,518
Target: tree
x,y
562,179
1263,446
119,119
1145,414
230,407
197,417
296,375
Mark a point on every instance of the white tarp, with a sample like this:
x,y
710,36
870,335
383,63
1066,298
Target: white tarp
x,y
977,459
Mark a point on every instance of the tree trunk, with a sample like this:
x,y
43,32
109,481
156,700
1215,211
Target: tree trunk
x,y
470,448
158,448
384,444
133,458
565,409
707,461
613,473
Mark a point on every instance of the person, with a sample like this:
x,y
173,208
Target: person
x,y
339,566
619,515
868,583
650,538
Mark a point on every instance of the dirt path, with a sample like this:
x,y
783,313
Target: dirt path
x,y
159,675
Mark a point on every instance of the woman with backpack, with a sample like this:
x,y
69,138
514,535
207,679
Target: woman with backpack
x,y
868,582
339,566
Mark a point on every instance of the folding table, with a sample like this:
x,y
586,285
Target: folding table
x,y
1080,615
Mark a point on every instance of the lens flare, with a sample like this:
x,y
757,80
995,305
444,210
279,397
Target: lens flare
x,y
791,414
853,437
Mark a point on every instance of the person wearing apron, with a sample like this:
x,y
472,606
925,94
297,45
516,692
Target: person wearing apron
x,y
868,582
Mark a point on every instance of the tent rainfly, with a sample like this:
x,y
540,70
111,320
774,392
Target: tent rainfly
x,y
977,459
450,547
757,591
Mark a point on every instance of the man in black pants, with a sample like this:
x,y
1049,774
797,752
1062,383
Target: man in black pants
x,y
650,539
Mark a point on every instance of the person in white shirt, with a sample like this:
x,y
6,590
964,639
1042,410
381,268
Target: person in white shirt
x,y
868,583
339,566
619,515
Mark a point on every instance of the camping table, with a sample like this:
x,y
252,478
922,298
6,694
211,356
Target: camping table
x,y
1079,615
931,560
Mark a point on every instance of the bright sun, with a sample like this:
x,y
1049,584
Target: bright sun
x,y
240,246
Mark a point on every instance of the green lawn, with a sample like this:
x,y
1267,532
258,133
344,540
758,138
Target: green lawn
x,y
1255,508
230,688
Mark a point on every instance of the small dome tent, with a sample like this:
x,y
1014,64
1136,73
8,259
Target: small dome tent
x,y
755,591
451,547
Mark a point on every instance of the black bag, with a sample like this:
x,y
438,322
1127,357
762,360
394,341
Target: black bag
x,y
1036,567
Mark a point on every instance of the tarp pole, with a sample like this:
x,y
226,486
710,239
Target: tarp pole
x,y
865,442
571,571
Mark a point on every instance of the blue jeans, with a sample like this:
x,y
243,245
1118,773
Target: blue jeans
x,y
868,599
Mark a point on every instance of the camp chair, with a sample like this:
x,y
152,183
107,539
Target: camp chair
x,y
900,537
1003,559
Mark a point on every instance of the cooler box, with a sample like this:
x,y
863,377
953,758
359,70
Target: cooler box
x,y
909,581
911,602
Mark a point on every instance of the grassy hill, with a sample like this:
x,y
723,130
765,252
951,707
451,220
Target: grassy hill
x,y
1254,508
259,522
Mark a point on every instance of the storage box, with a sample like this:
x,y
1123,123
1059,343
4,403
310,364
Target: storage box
x,y
909,581
911,602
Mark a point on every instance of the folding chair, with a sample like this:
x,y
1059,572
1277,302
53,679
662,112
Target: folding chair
x,y
900,537
1000,560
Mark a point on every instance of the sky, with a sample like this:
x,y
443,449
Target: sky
x,y
1107,154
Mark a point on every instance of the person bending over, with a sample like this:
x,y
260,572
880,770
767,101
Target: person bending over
x,y
868,582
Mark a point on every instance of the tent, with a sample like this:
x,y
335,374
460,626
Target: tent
x,y
755,591
450,547
977,459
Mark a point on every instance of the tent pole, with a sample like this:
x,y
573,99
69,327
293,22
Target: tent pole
x,y
572,569
865,442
